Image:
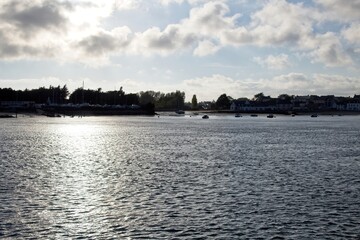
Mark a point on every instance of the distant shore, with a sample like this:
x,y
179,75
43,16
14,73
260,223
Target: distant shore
x,y
139,112
59,111
277,112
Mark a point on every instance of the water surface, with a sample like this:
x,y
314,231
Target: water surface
x,y
180,177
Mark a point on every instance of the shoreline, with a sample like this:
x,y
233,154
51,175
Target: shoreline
x,y
299,113
139,112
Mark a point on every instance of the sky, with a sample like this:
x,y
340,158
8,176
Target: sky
x,y
207,48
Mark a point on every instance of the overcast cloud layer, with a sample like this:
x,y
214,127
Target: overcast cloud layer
x,y
202,47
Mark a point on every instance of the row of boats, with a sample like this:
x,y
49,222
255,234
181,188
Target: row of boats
x,y
255,115
238,115
273,116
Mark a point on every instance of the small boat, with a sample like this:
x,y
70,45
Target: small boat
x,y
51,114
6,116
180,112
253,115
314,115
270,116
205,117
238,115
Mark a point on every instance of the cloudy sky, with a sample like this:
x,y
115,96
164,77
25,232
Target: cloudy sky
x,y
202,47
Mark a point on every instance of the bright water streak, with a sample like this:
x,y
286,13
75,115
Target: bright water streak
x,y
138,177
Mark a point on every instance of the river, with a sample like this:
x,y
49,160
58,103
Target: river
x,y
180,177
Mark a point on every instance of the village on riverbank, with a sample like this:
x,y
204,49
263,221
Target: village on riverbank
x,y
57,101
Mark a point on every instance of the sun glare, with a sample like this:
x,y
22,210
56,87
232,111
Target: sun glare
x,y
77,130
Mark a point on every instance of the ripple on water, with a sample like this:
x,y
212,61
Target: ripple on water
x,y
180,178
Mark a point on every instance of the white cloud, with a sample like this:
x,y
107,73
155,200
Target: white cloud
x,y
210,87
293,83
167,2
160,42
283,24
206,48
352,33
301,84
203,22
277,23
328,50
75,31
127,4
274,62
191,2
341,10
210,19
342,85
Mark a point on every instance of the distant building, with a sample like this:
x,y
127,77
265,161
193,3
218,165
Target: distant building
x,y
17,104
353,106
301,103
284,105
238,105
253,106
297,103
205,105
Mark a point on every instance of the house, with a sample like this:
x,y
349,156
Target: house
x,y
253,106
238,105
353,106
300,103
284,105
205,105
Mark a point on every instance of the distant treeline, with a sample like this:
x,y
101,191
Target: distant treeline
x,y
61,95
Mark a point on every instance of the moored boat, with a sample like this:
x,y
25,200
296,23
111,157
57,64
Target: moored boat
x,y
6,116
180,112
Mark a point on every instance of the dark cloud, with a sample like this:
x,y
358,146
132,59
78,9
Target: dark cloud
x,y
165,40
104,42
29,18
98,44
9,50
172,38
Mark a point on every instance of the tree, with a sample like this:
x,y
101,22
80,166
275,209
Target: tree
x,y
259,97
131,98
64,93
285,97
170,101
147,97
194,103
223,102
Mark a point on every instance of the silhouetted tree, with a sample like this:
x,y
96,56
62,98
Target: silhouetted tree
x,y
131,98
259,97
285,97
223,102
149,97
171,101
194,103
